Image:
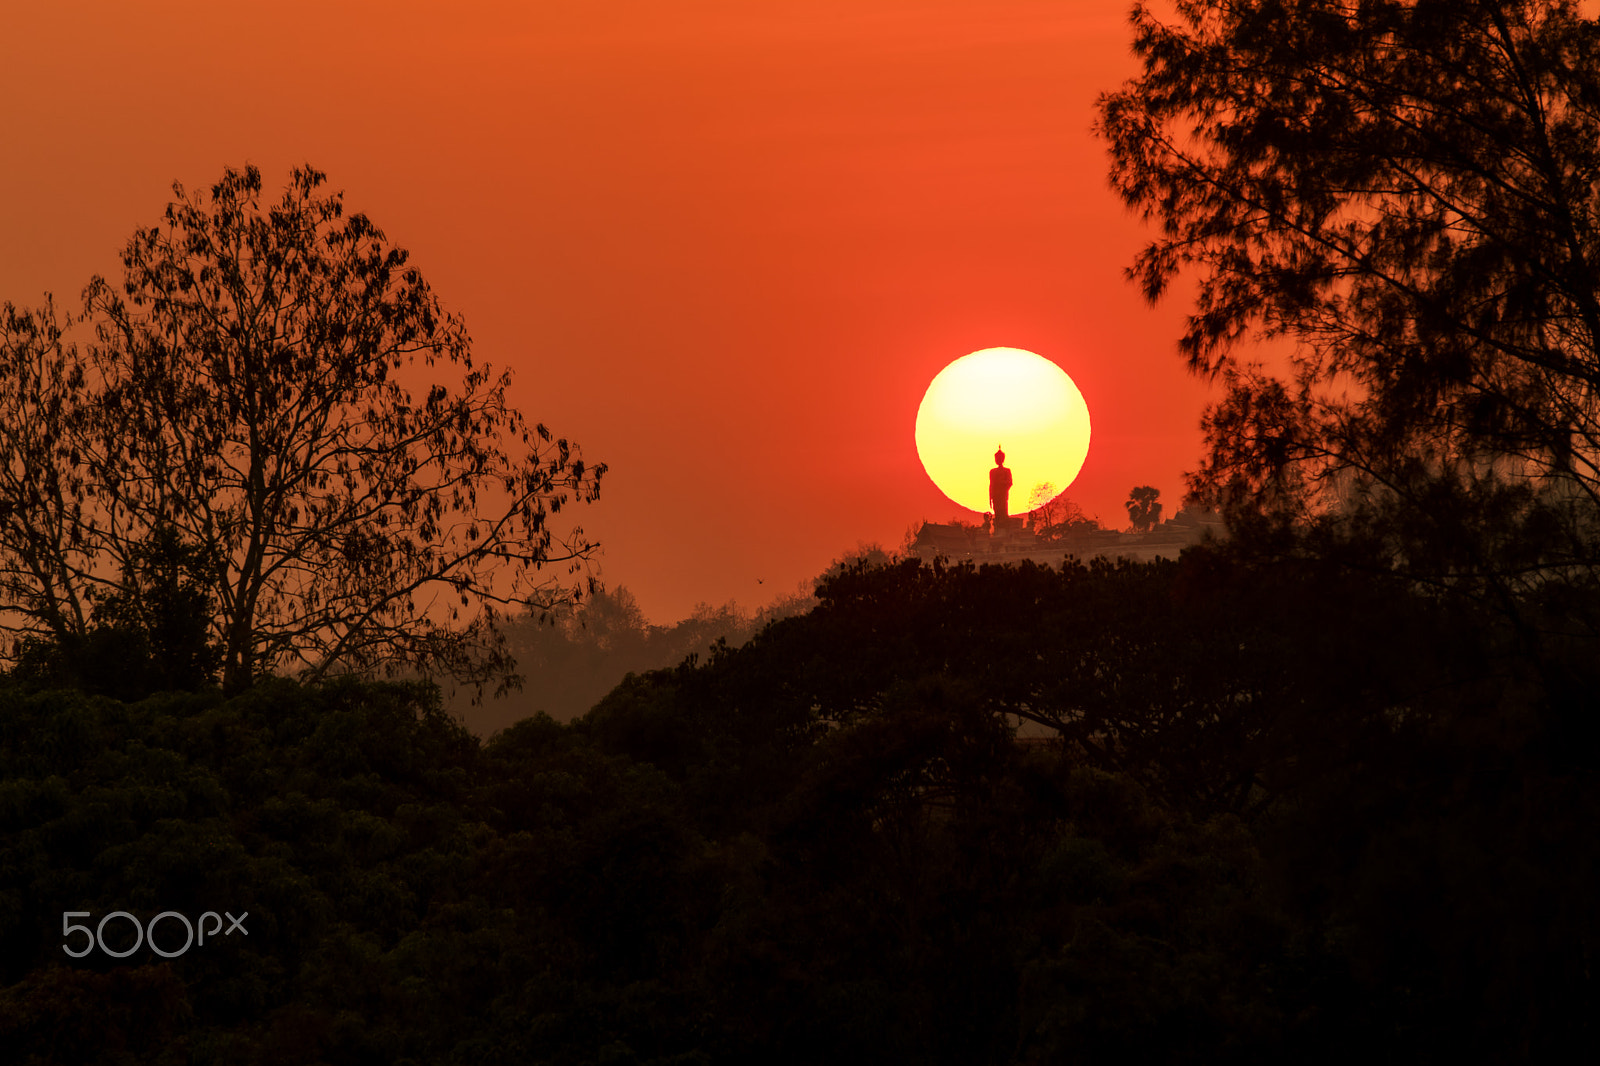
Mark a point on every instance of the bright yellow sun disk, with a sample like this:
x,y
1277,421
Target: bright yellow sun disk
x,y
1008,397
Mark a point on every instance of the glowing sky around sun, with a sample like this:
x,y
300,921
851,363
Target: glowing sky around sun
x,y
723,245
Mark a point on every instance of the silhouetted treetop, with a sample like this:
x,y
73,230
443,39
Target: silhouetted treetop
x,y
250,390
1144,507
1404,189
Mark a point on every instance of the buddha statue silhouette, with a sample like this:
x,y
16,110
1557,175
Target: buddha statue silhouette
x,y
1000,491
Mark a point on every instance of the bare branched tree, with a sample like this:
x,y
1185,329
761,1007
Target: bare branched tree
x,y
46,556
250,391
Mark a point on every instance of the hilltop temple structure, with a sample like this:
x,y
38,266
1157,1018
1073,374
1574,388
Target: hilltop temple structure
x,y
1015,541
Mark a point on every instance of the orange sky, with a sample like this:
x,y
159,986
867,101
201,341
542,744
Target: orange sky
x,y
725,243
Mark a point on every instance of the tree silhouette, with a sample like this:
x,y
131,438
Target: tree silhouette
x,y
45,566
149,632
1405,190
250,391
164,600
1144,509
1054,515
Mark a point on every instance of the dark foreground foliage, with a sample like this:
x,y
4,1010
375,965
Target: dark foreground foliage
x,y
1290,816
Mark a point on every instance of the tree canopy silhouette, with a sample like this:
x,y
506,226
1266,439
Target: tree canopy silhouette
x,y
249,393
1144,507
1406,191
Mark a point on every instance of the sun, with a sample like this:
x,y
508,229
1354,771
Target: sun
x,y
1002,398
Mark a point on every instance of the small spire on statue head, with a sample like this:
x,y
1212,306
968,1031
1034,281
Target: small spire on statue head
x,y
999,456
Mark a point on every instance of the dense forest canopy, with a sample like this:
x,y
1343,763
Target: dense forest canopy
x,y
828,843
